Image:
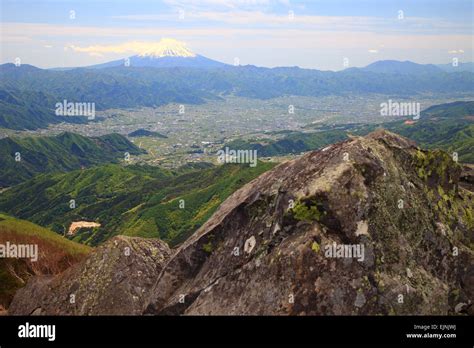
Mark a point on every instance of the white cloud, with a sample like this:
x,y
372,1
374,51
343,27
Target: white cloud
x,y
456,51
159,48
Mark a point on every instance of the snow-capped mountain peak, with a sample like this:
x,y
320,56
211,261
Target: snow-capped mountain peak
x,y
167,48
167,53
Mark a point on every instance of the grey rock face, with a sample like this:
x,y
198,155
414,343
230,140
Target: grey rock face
x,y
274,246
114,280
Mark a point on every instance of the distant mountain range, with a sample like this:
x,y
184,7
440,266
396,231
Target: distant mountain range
x,y
407,67
397,67
198,61
170,53
163,62
457,68
28,94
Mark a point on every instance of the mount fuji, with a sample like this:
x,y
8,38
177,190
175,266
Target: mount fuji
x,y
166,53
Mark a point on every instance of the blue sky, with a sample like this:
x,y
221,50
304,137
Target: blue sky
x,y
311,34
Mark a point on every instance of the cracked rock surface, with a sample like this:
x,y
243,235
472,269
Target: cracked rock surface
x,y
265,247
114,280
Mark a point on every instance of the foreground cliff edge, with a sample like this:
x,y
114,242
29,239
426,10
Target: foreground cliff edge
x,y
369,226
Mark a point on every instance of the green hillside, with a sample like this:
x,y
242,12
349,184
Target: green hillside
x,y
449,135
25,109
64,152
146,133
55,254
292,142
450,110
133,200
449,127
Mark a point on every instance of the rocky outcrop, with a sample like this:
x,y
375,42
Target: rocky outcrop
x,y
467,177
372,225
114,280
369,226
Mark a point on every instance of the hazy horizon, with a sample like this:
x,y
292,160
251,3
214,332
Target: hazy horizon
x,y
308,34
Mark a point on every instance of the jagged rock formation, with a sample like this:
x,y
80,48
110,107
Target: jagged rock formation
x,y
372,225
265,250
114,280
